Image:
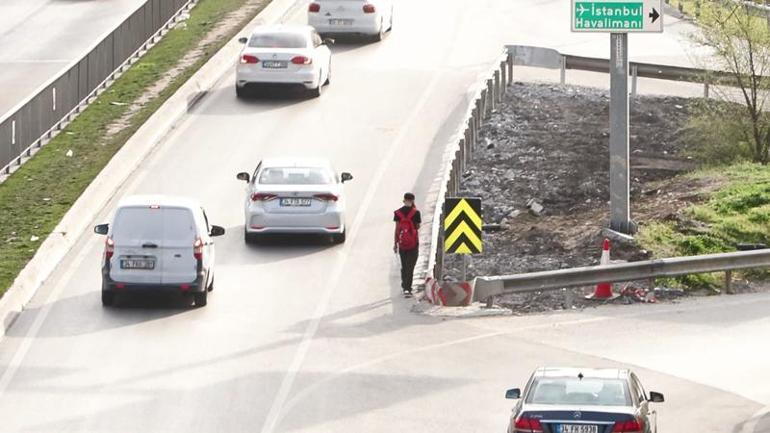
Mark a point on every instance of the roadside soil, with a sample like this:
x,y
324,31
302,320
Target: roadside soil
x,y
549,146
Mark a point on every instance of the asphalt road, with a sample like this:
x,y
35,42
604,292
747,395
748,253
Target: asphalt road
x,y
300,335
40,38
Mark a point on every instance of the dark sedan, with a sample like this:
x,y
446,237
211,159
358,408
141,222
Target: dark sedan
x,y
573,400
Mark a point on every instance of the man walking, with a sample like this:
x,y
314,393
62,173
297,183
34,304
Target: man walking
x,y
406,240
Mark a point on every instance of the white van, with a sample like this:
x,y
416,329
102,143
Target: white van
x,y
158,242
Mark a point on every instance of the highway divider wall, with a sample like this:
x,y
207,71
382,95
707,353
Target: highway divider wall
x,y
34,121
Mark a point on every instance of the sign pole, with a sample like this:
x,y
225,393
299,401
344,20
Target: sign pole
x,y
620,210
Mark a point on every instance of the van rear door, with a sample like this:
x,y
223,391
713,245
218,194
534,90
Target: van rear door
x,y
138,234
179,264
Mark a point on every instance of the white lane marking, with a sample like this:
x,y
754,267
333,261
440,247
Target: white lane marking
x,y
280,399
301,395
49,302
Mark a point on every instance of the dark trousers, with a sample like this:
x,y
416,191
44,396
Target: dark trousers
x,y
408,261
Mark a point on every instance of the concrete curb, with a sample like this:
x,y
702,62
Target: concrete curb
x,y
477,309
103,188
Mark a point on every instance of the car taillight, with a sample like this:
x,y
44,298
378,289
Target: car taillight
x,y
326,197
369,9
261,196
109,248
302,60
248,58
633,426
525,424
198,249
314,7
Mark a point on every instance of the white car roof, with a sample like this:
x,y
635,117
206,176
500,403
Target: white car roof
x,y
296,162
282,28
598,373
159,200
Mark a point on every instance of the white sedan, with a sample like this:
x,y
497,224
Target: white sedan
x,y
284,55
295,195
366,17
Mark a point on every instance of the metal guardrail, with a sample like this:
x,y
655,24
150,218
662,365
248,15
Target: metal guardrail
x,y
551,59
487,287
486,98
34,121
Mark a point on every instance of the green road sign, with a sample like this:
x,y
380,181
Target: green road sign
x,y
617,16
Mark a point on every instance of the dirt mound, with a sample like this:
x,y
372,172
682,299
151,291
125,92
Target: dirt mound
x,y
549,146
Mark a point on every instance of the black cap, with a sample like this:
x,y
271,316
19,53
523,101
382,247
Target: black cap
x,y
409,196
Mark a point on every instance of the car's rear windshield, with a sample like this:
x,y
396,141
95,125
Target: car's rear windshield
x,y
170,226
278,40
586,391
296,176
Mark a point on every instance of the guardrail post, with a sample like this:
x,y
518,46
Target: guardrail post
x,y
634,74
483,101
510,68
706,90
729,282
563,77
490,97
503,76
498,88
468,146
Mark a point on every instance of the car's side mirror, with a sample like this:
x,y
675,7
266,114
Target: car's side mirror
x,y
346,177
513,394
656,397
102,229
243,176
243,40
329,41
217,231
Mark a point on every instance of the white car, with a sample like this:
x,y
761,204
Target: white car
x,y
286,56
295,195
158,242
365,17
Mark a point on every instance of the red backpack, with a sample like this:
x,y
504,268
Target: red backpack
x,y
407,232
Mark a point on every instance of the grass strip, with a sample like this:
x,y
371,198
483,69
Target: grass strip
x,y
738,212
36,197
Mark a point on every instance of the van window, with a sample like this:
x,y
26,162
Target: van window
x,y
178,227
141,224
133,225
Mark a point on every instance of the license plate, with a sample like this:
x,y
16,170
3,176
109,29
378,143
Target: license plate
x,y
578,428
148,264
295,202
274,64
340,22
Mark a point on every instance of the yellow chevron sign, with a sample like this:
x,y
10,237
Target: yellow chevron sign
x,y
462,226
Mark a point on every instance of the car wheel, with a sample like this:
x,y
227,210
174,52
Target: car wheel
x,y
249,238
240,92
316,93
201,298
338,238
329,75
108,298
210,288
381,33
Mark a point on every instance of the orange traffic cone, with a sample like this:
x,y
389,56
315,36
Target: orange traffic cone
x,y
603,290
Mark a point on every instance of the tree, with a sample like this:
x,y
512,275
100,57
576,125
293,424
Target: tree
x,y
738,36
